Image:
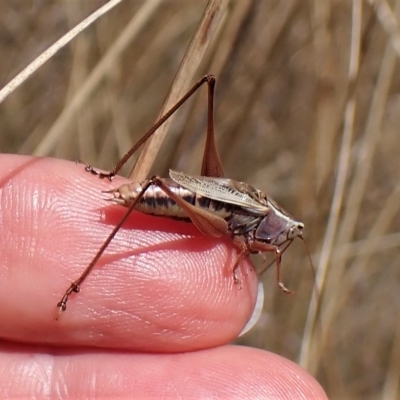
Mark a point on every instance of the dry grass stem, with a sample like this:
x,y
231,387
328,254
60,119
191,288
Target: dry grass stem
x,y
205,34
86,90
47,54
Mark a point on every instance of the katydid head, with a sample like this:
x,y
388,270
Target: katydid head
x,y
279,229
296,230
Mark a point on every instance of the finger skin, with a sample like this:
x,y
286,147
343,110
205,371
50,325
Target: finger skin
x,y
161,286
227,372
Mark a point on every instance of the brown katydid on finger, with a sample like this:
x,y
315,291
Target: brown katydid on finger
x,y
214,204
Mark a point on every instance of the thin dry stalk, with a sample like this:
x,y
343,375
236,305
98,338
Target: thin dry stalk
x,y
389,22
306,356
362,172
46,55
97,75
391,386
220,57
328,115
368,246
279,23
380,226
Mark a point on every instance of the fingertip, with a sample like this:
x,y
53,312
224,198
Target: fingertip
x,y
160,286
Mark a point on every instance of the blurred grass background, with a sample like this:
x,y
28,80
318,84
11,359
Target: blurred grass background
x,y
283,89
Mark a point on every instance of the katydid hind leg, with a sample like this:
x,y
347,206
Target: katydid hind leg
x,y
211,165
205,221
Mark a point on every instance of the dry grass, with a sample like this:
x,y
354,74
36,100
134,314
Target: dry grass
x,y
291,119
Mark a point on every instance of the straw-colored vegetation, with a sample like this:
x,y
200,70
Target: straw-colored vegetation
x,y
307,109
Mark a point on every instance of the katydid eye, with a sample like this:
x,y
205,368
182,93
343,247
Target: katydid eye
x,y
295,231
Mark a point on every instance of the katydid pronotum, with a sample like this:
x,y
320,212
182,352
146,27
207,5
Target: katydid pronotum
x,y
216,205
